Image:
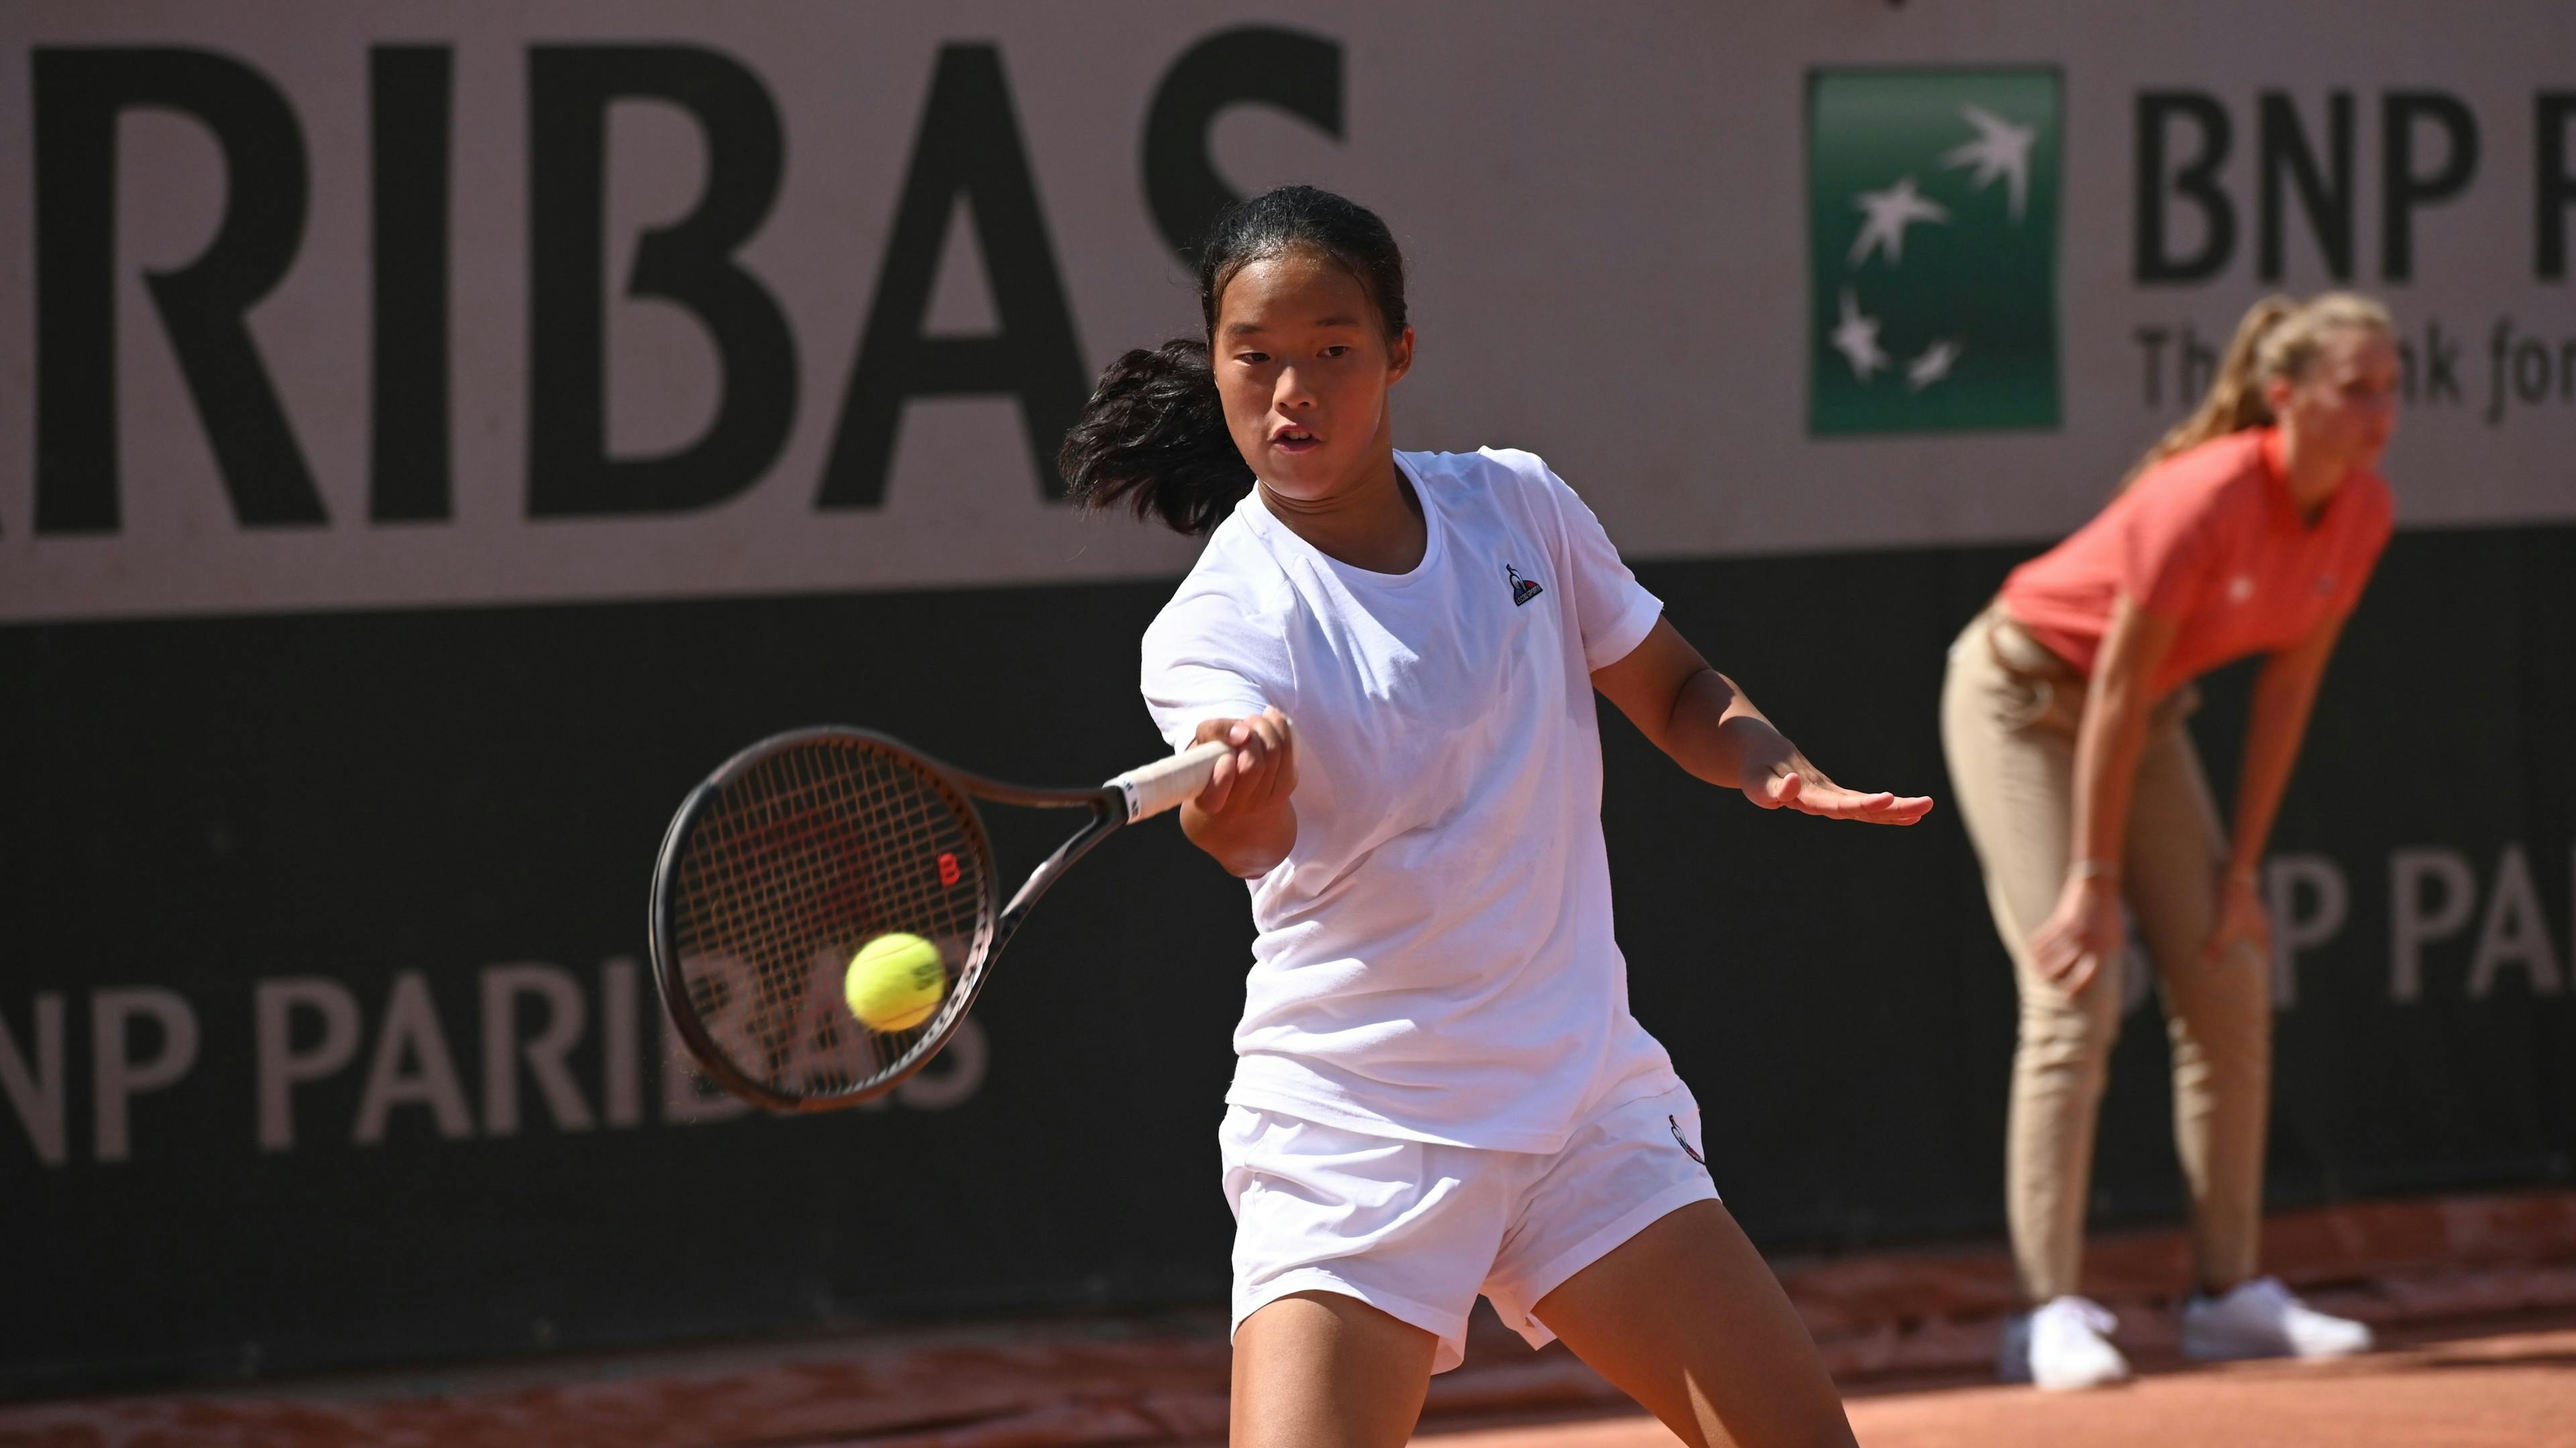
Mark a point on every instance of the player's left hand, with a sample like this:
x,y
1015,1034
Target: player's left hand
x,y
1795,784
2241,917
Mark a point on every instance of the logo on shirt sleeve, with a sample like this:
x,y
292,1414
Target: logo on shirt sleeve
x,y
1523,589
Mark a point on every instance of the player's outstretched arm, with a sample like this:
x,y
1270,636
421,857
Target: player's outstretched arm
x,y
1245,818
1699,717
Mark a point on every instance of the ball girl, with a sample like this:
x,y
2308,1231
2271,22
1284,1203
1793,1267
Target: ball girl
x,y
2250,529
1440,1090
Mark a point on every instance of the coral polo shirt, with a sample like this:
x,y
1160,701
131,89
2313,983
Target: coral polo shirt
x,y
2211,539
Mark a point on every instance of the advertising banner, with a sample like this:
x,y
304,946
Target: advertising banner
x,y
433,437
363,306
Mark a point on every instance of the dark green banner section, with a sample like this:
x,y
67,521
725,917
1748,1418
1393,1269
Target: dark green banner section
x,y
326,1039
1932,209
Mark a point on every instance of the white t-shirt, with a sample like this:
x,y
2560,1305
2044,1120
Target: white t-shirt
x,y
1435,959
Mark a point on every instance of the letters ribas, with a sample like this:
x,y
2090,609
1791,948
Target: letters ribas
x,y
968,151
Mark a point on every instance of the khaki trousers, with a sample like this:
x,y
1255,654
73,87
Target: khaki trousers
x,y
2009,710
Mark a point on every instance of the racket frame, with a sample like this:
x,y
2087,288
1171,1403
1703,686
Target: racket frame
x,y
1110,808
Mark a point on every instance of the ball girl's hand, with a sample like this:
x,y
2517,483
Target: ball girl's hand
x,y
1260,773
1793,783
2241,916
2084,930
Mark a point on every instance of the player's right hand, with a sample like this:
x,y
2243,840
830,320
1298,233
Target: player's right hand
x,y
1261,772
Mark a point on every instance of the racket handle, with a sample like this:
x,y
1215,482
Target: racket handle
x,y
1163,784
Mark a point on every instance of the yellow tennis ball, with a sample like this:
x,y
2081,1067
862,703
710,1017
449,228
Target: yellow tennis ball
x,y
895,982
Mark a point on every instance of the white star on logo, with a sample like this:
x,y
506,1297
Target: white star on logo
x,y
1856,337
1890,211
2001,149
1932,366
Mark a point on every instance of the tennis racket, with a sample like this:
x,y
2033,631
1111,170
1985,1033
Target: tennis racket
x,y
808,845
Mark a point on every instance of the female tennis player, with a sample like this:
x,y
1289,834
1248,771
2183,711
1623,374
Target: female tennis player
x,y
2249,529
1440,1090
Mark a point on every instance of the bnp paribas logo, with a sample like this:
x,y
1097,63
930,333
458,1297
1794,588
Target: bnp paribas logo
x,y
1932,233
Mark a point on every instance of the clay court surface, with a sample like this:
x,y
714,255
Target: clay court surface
x,y
2474,1299
2498,1385
2489,1384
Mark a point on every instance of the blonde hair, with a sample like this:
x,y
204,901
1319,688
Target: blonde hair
x,y
2279,338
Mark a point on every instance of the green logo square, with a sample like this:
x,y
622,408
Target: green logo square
x,y
1932,201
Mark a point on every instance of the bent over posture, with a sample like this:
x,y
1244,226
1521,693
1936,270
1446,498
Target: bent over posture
x,y
2250,529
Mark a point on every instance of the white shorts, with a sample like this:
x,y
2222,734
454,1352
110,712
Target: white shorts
x,y
1417,1229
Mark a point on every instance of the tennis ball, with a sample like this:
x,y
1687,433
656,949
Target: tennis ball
x,y
895,982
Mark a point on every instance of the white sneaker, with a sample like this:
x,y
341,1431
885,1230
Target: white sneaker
x,y
2261,1319
2065,1344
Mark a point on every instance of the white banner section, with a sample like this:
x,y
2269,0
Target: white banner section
x,y
321,306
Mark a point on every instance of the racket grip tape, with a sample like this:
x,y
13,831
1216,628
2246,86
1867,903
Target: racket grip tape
x,y
1163,784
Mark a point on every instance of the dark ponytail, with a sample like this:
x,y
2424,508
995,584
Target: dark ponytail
x,y
1153,436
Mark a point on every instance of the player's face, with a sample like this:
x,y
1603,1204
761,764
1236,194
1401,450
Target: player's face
x,y
2345,405
1303,363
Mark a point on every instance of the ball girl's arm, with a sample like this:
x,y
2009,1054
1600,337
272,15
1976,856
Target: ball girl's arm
x,y
2086,928
1699,717
1245,818
2284,692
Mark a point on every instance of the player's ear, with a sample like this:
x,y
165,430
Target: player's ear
x,y
1399,356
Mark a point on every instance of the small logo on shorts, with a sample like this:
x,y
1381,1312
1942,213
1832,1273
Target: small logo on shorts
x,y
1523,589
1688,1150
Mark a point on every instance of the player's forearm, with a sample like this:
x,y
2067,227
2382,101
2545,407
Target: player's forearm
x,y
1247,844
1715,732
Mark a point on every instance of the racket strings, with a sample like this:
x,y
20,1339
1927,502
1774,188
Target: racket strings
x,y
794,865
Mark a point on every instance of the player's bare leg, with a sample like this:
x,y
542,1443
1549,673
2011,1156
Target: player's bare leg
x,y
1324,1370
1686,1318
